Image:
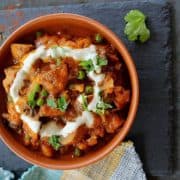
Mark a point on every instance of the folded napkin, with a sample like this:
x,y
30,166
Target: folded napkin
x,y
122,164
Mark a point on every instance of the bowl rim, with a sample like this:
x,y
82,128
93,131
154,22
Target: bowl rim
x,y
134,87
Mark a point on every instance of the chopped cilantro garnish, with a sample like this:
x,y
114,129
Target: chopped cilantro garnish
x,y
43,93
54,141
98,38
81,75
101,107
87,65
84,102
40,102
101,61
51,103
136,28
88,89
32,95
62,104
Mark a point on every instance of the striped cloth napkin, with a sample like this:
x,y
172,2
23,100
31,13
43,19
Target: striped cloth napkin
x,y
122,164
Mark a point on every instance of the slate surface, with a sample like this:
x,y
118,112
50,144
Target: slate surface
x,y
151,132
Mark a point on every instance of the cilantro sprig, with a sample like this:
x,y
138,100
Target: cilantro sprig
x,y
60,103
101,61
54,141
101,107
87,65
84,102
136,28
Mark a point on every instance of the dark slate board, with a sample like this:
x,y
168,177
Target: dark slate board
x,y
151,132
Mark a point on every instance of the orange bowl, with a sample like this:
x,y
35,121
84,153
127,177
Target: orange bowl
x,y
78,24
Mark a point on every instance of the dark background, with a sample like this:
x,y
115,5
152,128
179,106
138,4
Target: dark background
x,y
11,4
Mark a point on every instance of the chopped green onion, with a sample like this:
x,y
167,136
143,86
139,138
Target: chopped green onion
x,y
88,89
54,141
51,103
87,65
38,34
77,152
40,102
98,38
62,103
101,61
84,102
43,93
81,75
101,107
32,95
37,88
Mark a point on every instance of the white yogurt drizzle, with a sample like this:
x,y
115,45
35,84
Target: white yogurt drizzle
x,y
55,52
51,128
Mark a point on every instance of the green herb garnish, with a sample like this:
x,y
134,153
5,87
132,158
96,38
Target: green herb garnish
x,y
88,89
40,102
62,104
51,103
84,102
101,61
101,107
54,141
77,152
81,75
43,93
136,28
32,95
87,65
98,38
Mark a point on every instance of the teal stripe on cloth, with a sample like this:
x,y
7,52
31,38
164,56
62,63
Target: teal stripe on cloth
x,y
6,175
38,173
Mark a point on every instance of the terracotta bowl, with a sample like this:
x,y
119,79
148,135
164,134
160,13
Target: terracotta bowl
x,y
78,24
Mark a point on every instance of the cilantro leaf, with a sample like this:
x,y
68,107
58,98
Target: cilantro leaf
x,y
81,75
101,61
32,95
136,28
98,38
101,107
54,141
87,65
51,102
88,89
62,103
84,102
